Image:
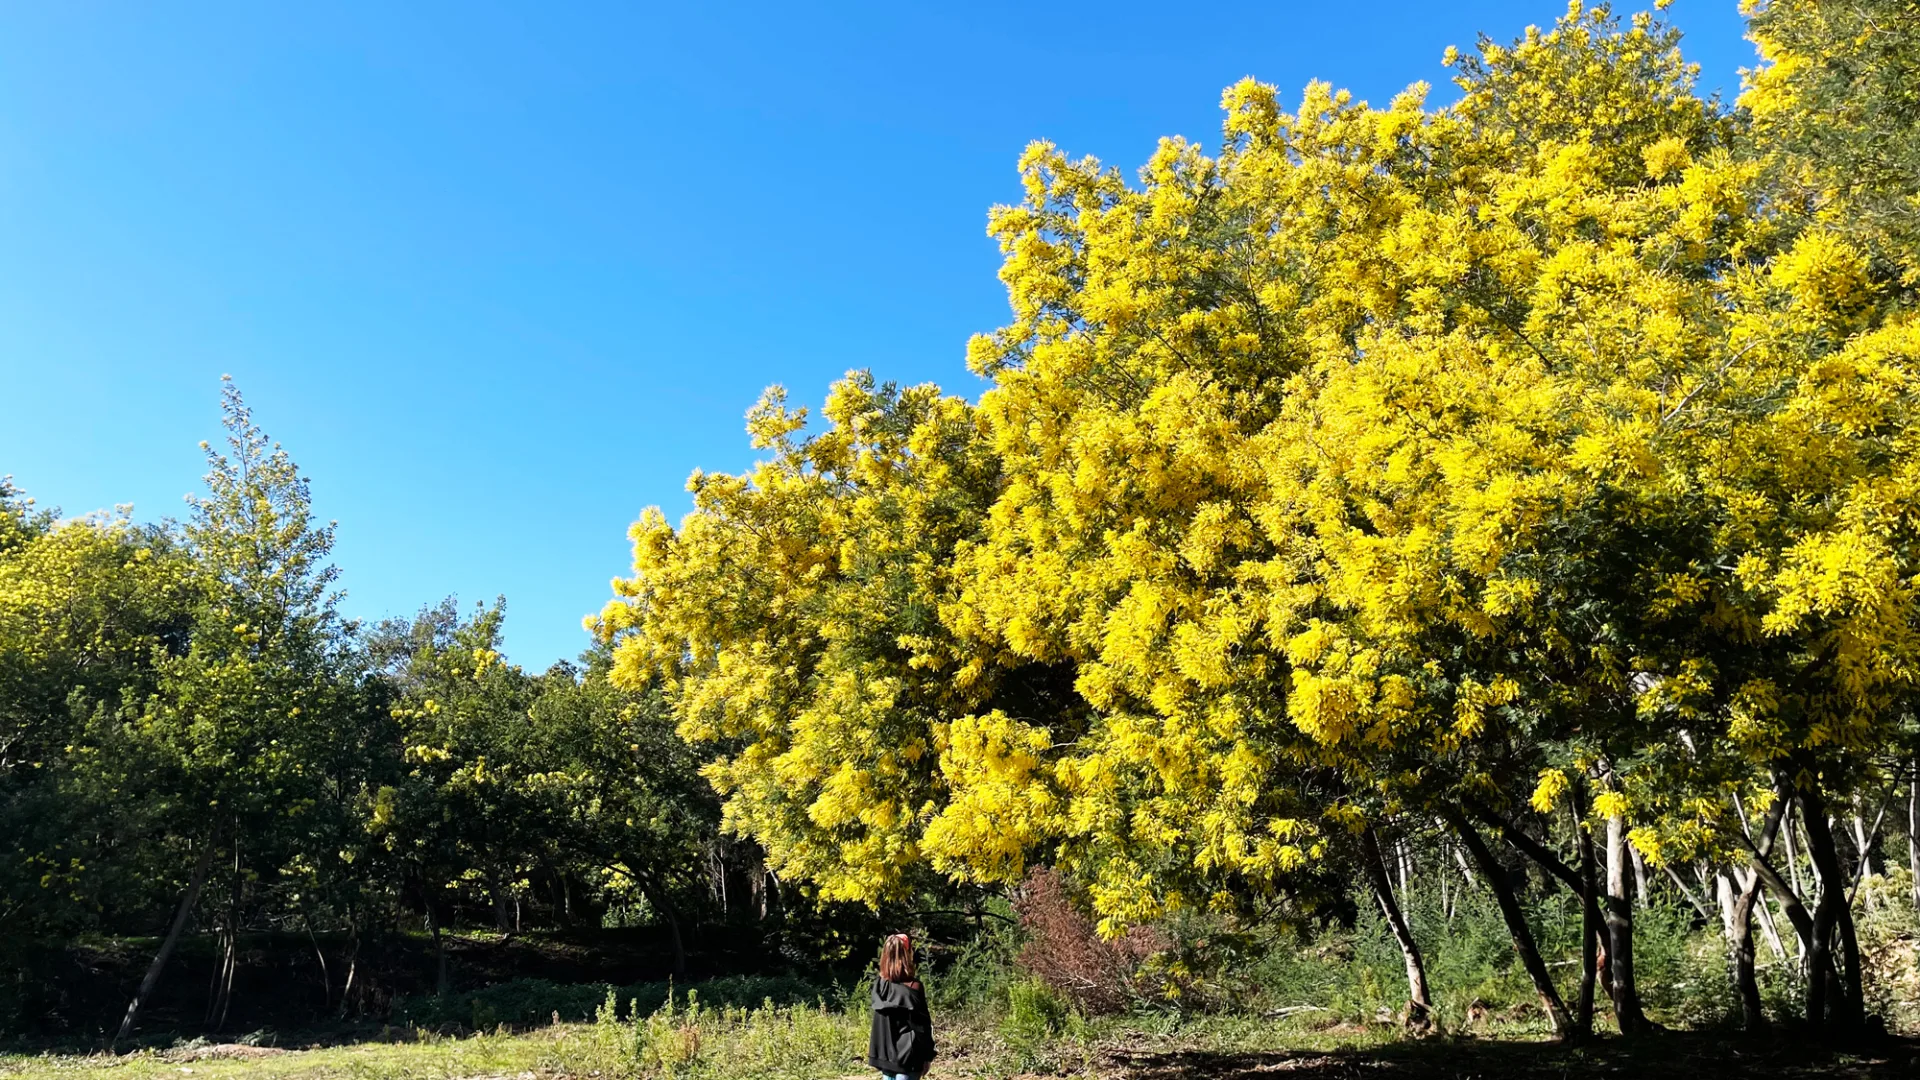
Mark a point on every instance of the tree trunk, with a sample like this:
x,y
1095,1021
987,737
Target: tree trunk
x,y
326,980
1913,831
1740,915
222,979
187,900
679,945
1419,1001
1590,924
222,996
353,960
1523,944
1619,921
1863,844
1831,913
1744,982
439,950
1790,902
1581,882
1767,929
1793,860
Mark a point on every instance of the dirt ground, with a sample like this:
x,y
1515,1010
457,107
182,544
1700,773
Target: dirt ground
x,y
1676,1056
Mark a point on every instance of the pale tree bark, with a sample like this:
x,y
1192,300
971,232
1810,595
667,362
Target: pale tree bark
x,y
1619,922
1748,987
1913,831
1419,1001
187,899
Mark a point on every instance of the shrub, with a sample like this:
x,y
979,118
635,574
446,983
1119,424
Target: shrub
x,y
1063,950
976,978
1035,1016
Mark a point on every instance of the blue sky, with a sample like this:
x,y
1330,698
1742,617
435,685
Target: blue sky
x,y
500,276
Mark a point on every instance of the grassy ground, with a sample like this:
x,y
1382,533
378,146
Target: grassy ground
x,y
815,1044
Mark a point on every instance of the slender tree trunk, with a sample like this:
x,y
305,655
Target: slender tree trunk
x,y
1590,923
1744,981
439,949
1790,902
1832,913
1913,831
222,997
1523,944
223,980
1419,1001
1619,919
679,944
1767,929
1581,882
1793,859
326,980
1742,889
353,960
1862,843
187,900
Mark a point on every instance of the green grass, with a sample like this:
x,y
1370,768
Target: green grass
x,y
426,1058
814,1043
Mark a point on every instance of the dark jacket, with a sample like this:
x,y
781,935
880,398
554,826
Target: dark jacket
x,y
902,1039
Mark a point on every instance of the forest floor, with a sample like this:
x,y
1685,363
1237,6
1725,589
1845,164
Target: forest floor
x,y
565,1052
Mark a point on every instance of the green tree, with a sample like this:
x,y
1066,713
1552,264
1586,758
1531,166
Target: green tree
x,y
243,722
621,794
456,820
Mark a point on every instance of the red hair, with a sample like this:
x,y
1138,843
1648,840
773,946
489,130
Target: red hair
x,y
896,959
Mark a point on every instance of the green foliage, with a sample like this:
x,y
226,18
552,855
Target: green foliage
x,y
695,1038
1036,1019
535,1002
978,977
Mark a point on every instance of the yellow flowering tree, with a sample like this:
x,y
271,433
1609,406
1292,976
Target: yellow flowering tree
x,y
793,620
1547,450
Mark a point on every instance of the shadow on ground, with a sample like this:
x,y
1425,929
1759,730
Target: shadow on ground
x,y
1692,1057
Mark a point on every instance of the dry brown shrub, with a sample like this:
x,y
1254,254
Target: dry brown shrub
x,y
1064,950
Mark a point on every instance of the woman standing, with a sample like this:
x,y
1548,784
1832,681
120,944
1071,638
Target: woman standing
x,y
901,1044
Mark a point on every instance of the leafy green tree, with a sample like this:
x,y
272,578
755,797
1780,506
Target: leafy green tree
x,y
455,821
89,610
621,794
243,721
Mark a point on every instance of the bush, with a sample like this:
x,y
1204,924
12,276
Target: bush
x,y
1035,1017
976,977
1063,950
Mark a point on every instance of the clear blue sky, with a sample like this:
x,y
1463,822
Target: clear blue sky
x,y
500,276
